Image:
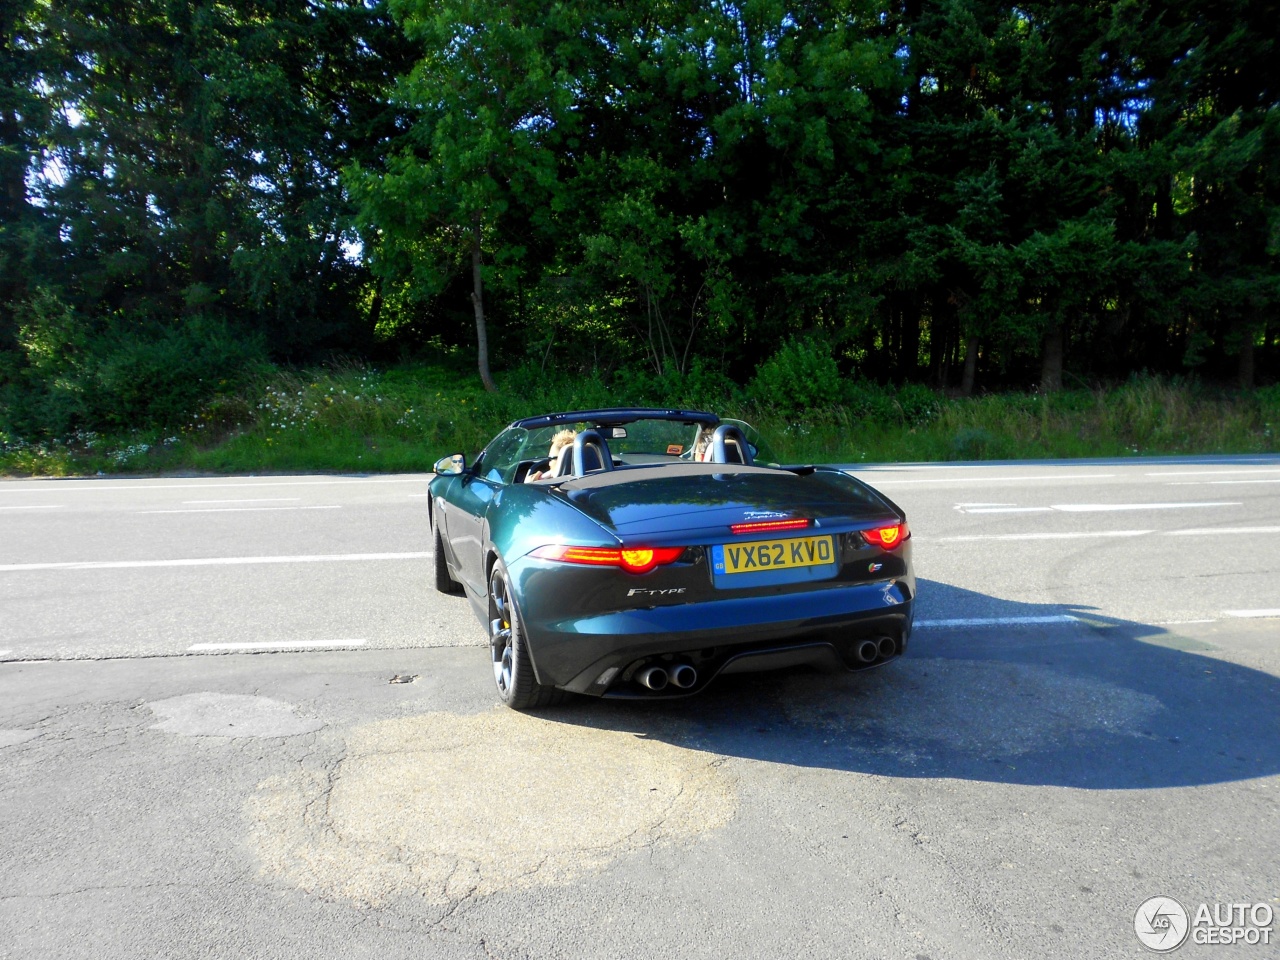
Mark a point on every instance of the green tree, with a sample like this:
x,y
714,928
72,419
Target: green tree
x,y
201,173
474,176
28,126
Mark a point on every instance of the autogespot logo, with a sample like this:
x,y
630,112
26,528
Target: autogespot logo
x,y
1161,924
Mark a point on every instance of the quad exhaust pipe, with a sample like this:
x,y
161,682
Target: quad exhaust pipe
x,y
887,647
656,678
683,676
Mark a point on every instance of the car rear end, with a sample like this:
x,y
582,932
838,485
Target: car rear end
x,y
715,570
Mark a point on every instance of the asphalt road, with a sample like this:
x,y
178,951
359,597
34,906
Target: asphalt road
x,y
202,753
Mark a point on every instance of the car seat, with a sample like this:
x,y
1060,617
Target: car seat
x,y
728,445
590,455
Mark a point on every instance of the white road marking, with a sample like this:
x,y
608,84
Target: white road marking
x,y
1174,623
254,500
1211,473
1083,507
238,509
995,621
1216,483
959,505
208,562
43,506
46,486
1215,531
1039,536
412,495
1274,612
1116,507
1008,510
877,480
279,645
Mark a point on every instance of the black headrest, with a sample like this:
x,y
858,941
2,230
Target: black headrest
x,y
728,445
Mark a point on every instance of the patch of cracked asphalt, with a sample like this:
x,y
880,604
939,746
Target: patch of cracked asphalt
x,y
11,738
230,715
446,807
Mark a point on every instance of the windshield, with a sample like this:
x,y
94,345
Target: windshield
x,y
519,453
639,439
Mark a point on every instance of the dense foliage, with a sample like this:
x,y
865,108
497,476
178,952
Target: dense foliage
x,y
797,196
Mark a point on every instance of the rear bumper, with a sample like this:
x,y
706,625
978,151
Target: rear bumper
x,y
725,634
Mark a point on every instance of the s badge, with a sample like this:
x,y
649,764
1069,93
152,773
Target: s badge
x,y
874,567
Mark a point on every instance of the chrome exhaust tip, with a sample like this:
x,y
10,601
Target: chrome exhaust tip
x,y
683,676
867,651
655,678
887,647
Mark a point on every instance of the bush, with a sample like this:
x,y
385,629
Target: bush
x,y
1269,406
160,377
41,392
125,377
912,405
801,379
976,443
701,388
918,404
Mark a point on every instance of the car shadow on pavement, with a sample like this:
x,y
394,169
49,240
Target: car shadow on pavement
x,y
1094,703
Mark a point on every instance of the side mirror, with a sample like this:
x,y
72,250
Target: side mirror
x,y
451,466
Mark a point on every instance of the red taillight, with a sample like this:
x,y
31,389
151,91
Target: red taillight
x,y
630,559
769,526
887,537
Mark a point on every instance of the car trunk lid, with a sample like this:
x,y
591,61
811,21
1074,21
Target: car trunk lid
x,y
704,500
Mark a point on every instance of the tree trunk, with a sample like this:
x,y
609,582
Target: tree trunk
x,y
477,300
909,360
13,206
1051,359
1245,362
944,322
970,366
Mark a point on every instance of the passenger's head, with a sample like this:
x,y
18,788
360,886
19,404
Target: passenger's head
x,y
702,445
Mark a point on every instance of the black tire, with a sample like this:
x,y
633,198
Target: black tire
x,y
512,670
444,582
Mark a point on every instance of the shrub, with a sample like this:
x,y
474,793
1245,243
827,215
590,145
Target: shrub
x,y
919,405
703,387
869,402
41,392
68,377
801,379
160,377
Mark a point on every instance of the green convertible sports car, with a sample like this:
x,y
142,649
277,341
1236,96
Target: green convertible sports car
x,y
640,553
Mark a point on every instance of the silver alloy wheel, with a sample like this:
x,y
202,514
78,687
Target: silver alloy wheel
x,y
500,629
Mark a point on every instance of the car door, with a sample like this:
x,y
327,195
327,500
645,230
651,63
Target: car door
x,y
469,513
467,516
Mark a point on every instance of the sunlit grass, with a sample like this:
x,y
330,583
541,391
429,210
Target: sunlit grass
x,y
356,419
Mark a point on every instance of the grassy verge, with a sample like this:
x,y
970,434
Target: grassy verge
x,y
403,419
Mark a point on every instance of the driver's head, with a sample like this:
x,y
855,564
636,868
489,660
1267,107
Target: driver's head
x,y
562,439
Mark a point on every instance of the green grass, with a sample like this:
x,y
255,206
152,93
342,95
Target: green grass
x,y
403,419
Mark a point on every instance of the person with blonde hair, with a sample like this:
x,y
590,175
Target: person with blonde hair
x,y
562,441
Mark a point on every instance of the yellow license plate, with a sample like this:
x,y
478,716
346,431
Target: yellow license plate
x,y
764,555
